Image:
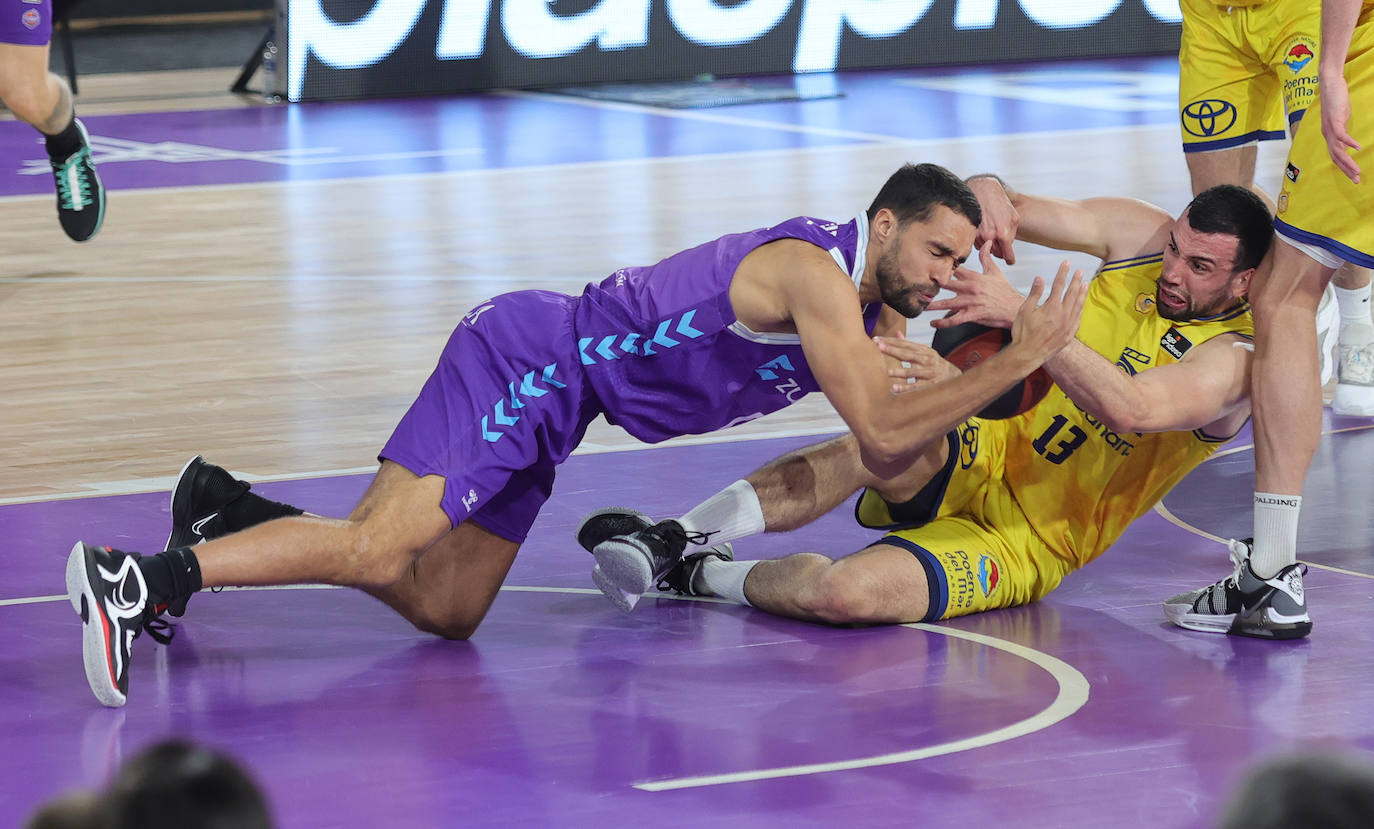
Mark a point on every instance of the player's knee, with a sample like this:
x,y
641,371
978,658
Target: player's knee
x,y
27,104
446,624
839,598
376,559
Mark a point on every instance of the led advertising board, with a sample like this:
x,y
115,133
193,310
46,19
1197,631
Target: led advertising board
x,y
330,49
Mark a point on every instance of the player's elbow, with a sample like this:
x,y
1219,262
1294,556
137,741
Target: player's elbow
x,y
883,453
1121,419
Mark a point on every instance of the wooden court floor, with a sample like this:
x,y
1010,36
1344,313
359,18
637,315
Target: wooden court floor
x,y
273,284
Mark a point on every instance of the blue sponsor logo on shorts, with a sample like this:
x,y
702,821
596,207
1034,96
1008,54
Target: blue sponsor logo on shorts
x,y
1205,119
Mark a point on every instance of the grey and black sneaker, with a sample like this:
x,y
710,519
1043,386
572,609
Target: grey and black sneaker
x,y
682,578
1243,604
628,565
607,523
80,195
201,492
106,588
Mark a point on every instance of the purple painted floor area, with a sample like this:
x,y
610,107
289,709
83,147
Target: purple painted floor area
x,y
481,132
561,705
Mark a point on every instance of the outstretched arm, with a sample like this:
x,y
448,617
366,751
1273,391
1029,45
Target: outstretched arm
x,y
1108,228
1215,375
893,430
1210,384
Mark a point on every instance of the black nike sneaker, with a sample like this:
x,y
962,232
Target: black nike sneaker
x,y
106,588
201,492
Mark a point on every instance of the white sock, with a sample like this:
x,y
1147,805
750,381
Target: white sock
x,y
724,579
1276,533
732,513
1354,305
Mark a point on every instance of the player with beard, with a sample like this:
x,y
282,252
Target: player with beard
x,y
995,513
714,336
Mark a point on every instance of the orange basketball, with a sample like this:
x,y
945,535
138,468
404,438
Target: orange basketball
x,y
968,344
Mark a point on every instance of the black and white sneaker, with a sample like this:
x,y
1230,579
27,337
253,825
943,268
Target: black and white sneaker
x,y
201,492
602,525
607,523
1243,604
682,578
628,565
80,195
106,588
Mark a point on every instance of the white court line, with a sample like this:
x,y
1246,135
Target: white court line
x,y
506,588
1073,695
1167,515
134,486
695,115
886,143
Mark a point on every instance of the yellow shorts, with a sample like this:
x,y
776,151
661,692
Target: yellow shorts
x,y
1246,74
968,532
1318,205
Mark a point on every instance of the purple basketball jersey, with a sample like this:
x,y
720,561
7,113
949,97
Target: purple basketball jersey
x,y
656,349
662,349
26,22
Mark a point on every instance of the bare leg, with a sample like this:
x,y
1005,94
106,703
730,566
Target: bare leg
x,y
449,589
1231,166
882,584
1285,387
35,95
1350,277
398,518
801,486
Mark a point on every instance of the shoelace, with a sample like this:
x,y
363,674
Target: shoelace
x,y
1214,595
692,563
159,629
64,178
1239,552
671,534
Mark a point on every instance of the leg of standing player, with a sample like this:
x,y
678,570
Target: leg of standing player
x,y
42,99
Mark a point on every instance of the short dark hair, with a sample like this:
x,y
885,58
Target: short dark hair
x,y
1314,788
913,192
1234,211
179,783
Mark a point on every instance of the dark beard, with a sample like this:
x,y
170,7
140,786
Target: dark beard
x,y
903,301
1189,313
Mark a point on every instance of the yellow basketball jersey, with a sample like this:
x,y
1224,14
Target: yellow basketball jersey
x,y
1079,483
1318,205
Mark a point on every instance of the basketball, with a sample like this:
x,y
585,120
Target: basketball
x,y
967,344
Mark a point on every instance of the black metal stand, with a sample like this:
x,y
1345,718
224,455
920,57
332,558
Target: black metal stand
x,y
252,65
61,11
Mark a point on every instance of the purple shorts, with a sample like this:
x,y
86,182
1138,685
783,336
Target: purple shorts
x,y
26,22
506,404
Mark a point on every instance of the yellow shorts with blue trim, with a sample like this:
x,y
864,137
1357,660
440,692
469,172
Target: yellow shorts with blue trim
x,y
1246,73
1318,204
967,531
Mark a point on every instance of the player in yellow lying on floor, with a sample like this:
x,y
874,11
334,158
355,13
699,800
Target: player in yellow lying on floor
x,y
1038,495
996,514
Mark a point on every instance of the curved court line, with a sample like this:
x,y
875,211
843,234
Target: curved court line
x,y
1073,694
1164,512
